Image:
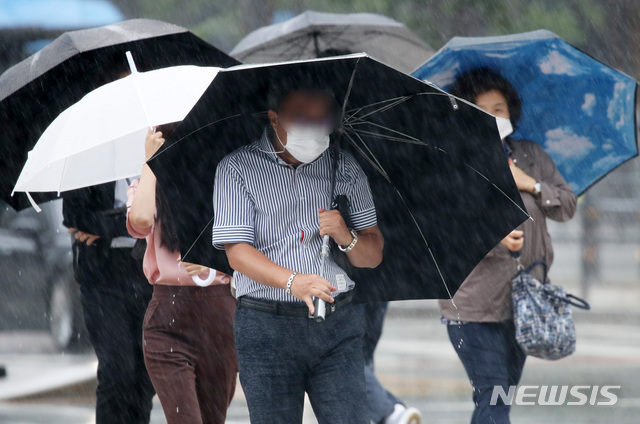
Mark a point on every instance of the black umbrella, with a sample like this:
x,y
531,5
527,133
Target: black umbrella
x,y
35,91
439,176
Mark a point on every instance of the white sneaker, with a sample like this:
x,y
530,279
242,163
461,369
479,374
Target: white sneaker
x,y
403,415
410,416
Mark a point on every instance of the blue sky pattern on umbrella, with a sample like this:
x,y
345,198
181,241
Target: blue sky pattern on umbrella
x,y
581,111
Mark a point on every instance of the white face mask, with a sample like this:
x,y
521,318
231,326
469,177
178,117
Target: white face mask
x,y
504,127
306,142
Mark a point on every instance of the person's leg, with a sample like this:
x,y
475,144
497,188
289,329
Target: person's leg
x,y
381,402
485,355
108,324
141,400
169,358
335,383
216,364
272,353
517,356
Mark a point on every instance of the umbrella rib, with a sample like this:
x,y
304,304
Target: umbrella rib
x,y
440,149
198,238
373,162
497,188
375,104
300,47
384,108
390,138
374,124
270,46
380,169
387,137
334,38
64,170
349,87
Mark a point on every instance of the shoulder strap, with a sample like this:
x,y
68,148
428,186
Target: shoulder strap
x,y
535,264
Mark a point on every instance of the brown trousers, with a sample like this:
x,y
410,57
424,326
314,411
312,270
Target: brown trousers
x,y
189,352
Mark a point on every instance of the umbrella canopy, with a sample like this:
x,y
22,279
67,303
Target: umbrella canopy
x,y
35,91
581,111
439,176
78,150
309,34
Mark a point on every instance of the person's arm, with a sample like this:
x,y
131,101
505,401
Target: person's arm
x,y
367,253
249,261
142,211
78,214
557,200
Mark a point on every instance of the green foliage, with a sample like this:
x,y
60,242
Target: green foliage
x,y
585,23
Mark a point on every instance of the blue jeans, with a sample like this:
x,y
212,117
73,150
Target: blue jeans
x,y
282,357
381,402
491,356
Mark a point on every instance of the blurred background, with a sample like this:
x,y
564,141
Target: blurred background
x,y
48,362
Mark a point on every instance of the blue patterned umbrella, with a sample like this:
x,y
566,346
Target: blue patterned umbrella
x,y
580,110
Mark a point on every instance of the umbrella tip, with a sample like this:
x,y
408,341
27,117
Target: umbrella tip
x,y
33,202
454,103
132,64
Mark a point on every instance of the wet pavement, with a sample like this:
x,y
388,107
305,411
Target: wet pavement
x,y
415,360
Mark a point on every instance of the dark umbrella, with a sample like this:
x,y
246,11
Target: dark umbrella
x,y
437,169
35,91
313,34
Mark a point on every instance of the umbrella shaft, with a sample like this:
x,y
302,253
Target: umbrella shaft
x,y
319,304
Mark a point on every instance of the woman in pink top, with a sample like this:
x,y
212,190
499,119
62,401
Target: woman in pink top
x,y
188,340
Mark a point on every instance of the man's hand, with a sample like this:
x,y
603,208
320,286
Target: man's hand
x,y
523,181
514,241
331,223
152,143
83,237
307,286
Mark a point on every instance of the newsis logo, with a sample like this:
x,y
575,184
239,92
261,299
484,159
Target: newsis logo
x,y
556,395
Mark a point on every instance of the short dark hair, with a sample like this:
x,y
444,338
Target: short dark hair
x,y
279,89
469,85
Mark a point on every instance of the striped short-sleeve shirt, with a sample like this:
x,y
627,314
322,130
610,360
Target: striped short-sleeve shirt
x,y
261,200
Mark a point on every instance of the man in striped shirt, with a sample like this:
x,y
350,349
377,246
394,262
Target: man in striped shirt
x,y
269,202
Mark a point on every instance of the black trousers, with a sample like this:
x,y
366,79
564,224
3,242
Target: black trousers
x,y
114,299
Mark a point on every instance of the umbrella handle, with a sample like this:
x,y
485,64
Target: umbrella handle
x,y
207,281
319,304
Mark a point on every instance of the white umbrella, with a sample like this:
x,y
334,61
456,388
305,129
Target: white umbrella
x,y
101,138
